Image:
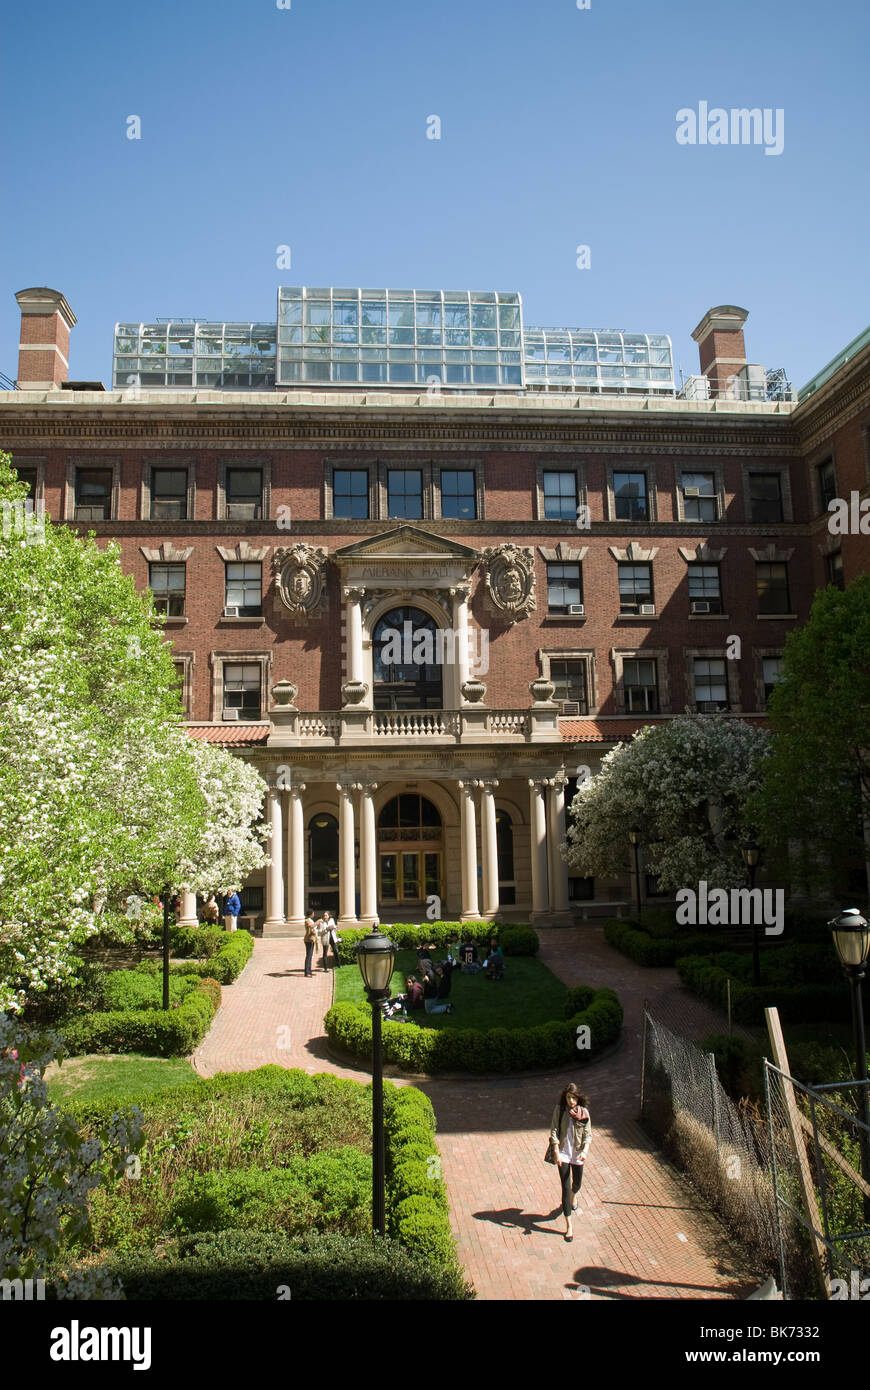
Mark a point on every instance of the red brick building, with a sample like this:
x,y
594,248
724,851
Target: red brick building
x,y
569,565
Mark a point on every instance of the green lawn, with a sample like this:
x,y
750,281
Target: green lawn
x,y
529,994
95,1077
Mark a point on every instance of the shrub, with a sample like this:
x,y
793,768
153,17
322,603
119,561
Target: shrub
x,y
645,949
419,1223
197,941
482,1050
165,1033
261,1265
224,965
130,989
516,938
708,977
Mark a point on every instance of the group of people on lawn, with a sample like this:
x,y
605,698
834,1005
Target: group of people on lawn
x,y
429,989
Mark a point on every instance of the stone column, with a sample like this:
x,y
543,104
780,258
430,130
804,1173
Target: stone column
x,y
274,923
346,866
368,856
489,848
459,596
296,860
353,600
556,826
188,916
468,830
538,849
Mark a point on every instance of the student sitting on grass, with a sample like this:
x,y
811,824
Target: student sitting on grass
x,y
432,1002
494,963
468,957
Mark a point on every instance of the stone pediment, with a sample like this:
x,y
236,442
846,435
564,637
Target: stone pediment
x,y
406,543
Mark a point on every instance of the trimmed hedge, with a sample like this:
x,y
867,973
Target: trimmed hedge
x,y
236,949
418,1049
515,938
131,989
263,1265
417,1212
628,938
171,1033
197,941
707,976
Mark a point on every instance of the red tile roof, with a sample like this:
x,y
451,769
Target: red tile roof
x,y
244,735
609,730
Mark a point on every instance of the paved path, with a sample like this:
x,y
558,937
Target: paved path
x,y
641,1231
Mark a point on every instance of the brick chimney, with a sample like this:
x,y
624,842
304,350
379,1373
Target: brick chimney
x,y
721,349
43,352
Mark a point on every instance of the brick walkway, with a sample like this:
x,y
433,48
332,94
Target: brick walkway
x,y
641,1231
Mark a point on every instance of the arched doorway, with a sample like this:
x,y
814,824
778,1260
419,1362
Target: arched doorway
x,y
410,851
323,863
407,672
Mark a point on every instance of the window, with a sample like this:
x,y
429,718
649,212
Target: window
x,y
28,476
564,587
827,482
834,566
458,501
252,900
772,584
504,838
93,494
405,493
350,496
640,684
654,888
771,672
765,497
241,690
560,496
581,890
244,494
167,584
629,494
244,588
700,502
569,678
635,587
711,685
169,494
704,592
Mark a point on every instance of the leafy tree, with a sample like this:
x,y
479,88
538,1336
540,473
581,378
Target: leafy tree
x,y
47,1170
815,796
686,784
102,792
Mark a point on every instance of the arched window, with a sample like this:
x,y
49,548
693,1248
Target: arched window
x,y
504,838
407,661
323,851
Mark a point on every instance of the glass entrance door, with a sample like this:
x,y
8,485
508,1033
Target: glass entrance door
x,y
409,875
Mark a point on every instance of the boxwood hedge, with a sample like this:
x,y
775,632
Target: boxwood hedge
x,y
629,939
516,938
808,1002
171,1033
417,1049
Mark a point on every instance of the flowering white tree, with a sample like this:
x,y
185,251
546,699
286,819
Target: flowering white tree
x,y
102,793
686,784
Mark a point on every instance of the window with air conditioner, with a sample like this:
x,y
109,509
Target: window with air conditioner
x,y
242,698
169,494
640,686
167,584
243,592
569,678
244,494
635,589
711,685
700,502
93,494
704,591
564,587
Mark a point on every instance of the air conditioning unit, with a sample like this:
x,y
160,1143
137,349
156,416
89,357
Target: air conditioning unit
x,y
647,610
700,605
576,608
231,612
231,714
710,707
569,707
691,492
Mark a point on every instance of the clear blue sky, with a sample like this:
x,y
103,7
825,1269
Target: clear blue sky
x,y
307,126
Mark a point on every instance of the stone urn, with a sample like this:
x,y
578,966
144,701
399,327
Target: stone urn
x,y
353,692
473,690
542,691
284,692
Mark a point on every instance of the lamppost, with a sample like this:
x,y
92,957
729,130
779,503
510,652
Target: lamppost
x,y
166,893
752,858
634,837
852,942
376,956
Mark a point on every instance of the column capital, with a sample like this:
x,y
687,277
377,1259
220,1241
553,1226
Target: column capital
x,y
368,787
296,787
355,592
460,592
538,782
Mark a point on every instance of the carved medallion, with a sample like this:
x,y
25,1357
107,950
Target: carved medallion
x,y
300,578
510,581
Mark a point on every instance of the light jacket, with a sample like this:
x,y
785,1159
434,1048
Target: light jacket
x,y
560,1133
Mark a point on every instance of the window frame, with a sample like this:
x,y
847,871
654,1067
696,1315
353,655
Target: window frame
x,y
564,564
87,463
718,494
219,659
170,594
366,492
660,655
631,607
781,474
614,500
636,660
705,598
773,612
250,610
559,465
468,472
229,462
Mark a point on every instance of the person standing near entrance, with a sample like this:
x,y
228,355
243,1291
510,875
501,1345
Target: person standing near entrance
x,y
310,942
232,908
570,1136
329,937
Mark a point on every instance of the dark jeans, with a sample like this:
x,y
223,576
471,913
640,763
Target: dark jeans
x,y
572,1176
309,952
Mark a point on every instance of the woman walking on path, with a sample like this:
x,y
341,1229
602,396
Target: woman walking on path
x,y
570,1136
